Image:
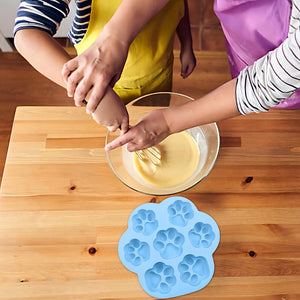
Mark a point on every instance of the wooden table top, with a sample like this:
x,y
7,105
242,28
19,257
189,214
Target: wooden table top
x,y
62,210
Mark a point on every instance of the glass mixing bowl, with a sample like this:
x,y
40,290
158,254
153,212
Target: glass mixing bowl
x,y
121,161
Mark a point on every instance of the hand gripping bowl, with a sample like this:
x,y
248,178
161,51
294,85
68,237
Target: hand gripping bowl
x,y
206,137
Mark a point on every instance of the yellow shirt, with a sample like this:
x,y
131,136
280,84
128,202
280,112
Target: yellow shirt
x,y
149,64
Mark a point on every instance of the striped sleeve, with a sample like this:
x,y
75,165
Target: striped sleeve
x,y
81,21
271,79
41,14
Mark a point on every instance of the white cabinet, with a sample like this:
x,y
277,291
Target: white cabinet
x,y
8,11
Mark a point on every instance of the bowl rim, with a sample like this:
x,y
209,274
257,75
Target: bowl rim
x,y
181,190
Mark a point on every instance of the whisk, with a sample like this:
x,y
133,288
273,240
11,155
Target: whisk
x,y
152,154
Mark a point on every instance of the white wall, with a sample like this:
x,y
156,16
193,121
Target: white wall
x,y
8,11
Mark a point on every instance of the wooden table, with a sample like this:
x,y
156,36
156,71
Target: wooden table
x,y
62,210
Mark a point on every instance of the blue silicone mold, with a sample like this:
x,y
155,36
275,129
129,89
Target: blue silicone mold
x,y
170,246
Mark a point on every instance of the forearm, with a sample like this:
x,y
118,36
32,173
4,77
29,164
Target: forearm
x,y
183,29
218,105
42,52
271,79
131,17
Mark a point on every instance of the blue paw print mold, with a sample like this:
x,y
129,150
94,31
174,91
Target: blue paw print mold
x,y
144,221
169,243
170,246
180,212
193,269
136,252
202,235
160,278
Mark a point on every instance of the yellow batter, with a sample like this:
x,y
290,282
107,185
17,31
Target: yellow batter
x,y
179,158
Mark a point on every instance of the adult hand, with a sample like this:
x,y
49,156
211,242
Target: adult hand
x,y
148,131
188,62
94,69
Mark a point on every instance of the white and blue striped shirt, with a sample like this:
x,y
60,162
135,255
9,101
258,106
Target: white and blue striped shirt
x,y
48,14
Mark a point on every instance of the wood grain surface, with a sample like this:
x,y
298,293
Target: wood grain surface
x,y
62,210
21,85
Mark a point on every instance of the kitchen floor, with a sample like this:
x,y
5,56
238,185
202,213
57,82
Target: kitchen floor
x,y
21,85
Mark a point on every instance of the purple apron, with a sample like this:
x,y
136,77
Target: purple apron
x,y
252,28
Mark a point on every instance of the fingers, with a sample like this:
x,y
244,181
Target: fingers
x,y
113,128
131,147
90,88
120,141
73,77
72,83
189,70
82,91
68,68
184,71
85,89
124,127
96,95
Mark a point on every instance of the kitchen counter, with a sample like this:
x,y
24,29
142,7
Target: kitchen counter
x,y
62,210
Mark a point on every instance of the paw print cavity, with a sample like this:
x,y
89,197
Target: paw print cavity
x,y
145,222
169,243
136,252
180,212
193,269
201,235
160,278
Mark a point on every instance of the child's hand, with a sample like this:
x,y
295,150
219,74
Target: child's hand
x,y
148,131
94,69
188,62
111,112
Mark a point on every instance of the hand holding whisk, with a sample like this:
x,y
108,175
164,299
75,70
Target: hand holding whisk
x,y
151,154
